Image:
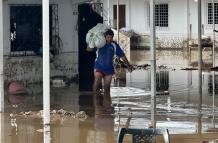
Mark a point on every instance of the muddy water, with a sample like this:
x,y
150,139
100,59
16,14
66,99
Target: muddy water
x,y
178,107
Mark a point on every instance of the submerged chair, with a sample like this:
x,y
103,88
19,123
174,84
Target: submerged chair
x,y
143,135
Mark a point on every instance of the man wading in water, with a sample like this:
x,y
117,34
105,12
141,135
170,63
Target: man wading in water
x,y
104,63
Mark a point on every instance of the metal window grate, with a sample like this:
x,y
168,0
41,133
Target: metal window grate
x,y
26,30
210,13
161,15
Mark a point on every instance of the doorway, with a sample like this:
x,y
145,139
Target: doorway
x,y
122,16
87,20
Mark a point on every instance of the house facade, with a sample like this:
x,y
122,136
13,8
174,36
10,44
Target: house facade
x,y
174,19
22,28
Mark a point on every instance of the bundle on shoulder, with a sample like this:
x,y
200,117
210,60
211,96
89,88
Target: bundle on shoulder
x,y
95,36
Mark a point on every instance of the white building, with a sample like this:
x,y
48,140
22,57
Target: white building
x,y
174,18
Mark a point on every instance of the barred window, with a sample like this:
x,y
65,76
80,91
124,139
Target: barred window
x,y
210,13
26,29
161,15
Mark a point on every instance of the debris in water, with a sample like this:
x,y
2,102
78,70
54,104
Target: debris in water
x,y
189,68
144,66
214,68
40,130
61,111
81,115
56,115
70,114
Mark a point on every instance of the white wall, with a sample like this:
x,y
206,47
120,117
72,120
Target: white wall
x,y
67,62
177,17
194,18
137,12
137,15
139,19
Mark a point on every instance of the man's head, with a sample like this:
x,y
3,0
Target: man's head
x,y
109,34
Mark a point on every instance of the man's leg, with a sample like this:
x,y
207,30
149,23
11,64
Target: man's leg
x,y
97,82
107,98
107,84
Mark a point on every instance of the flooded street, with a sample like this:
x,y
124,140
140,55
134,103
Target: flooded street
x,y
178,106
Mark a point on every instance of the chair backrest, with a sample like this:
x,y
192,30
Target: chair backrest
x,y
143,135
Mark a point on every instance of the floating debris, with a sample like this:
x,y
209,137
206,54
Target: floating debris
x,y
212,130
11,115
81,115
53,112
40,130
144,66
28,113
162,67
214,68
61,111
205,66
70,114
55,115
189,68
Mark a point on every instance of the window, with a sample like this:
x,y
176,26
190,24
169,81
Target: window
x,y
26,29
122,16
210,13
161,15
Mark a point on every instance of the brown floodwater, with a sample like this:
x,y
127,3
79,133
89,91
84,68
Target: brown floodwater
x,y
177,106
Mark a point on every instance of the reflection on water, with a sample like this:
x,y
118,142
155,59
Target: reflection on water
x,y
47,134
210,84
162,78
129,106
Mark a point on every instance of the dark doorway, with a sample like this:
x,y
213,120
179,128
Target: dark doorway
x,y
87,20
122,16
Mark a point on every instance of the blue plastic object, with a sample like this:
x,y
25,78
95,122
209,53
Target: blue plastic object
x,y
143,135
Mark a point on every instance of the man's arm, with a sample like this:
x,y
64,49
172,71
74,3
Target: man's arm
x,y
121,55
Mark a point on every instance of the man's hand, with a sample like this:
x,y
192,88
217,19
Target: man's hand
x,y
89,49
130,68
126,62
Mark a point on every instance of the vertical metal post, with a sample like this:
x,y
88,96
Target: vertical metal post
x,y
213,91
1,59
118,39
118,18
214,64
108,12
1,75
153,62
187,49
188,21
46,63
199,53
213,11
